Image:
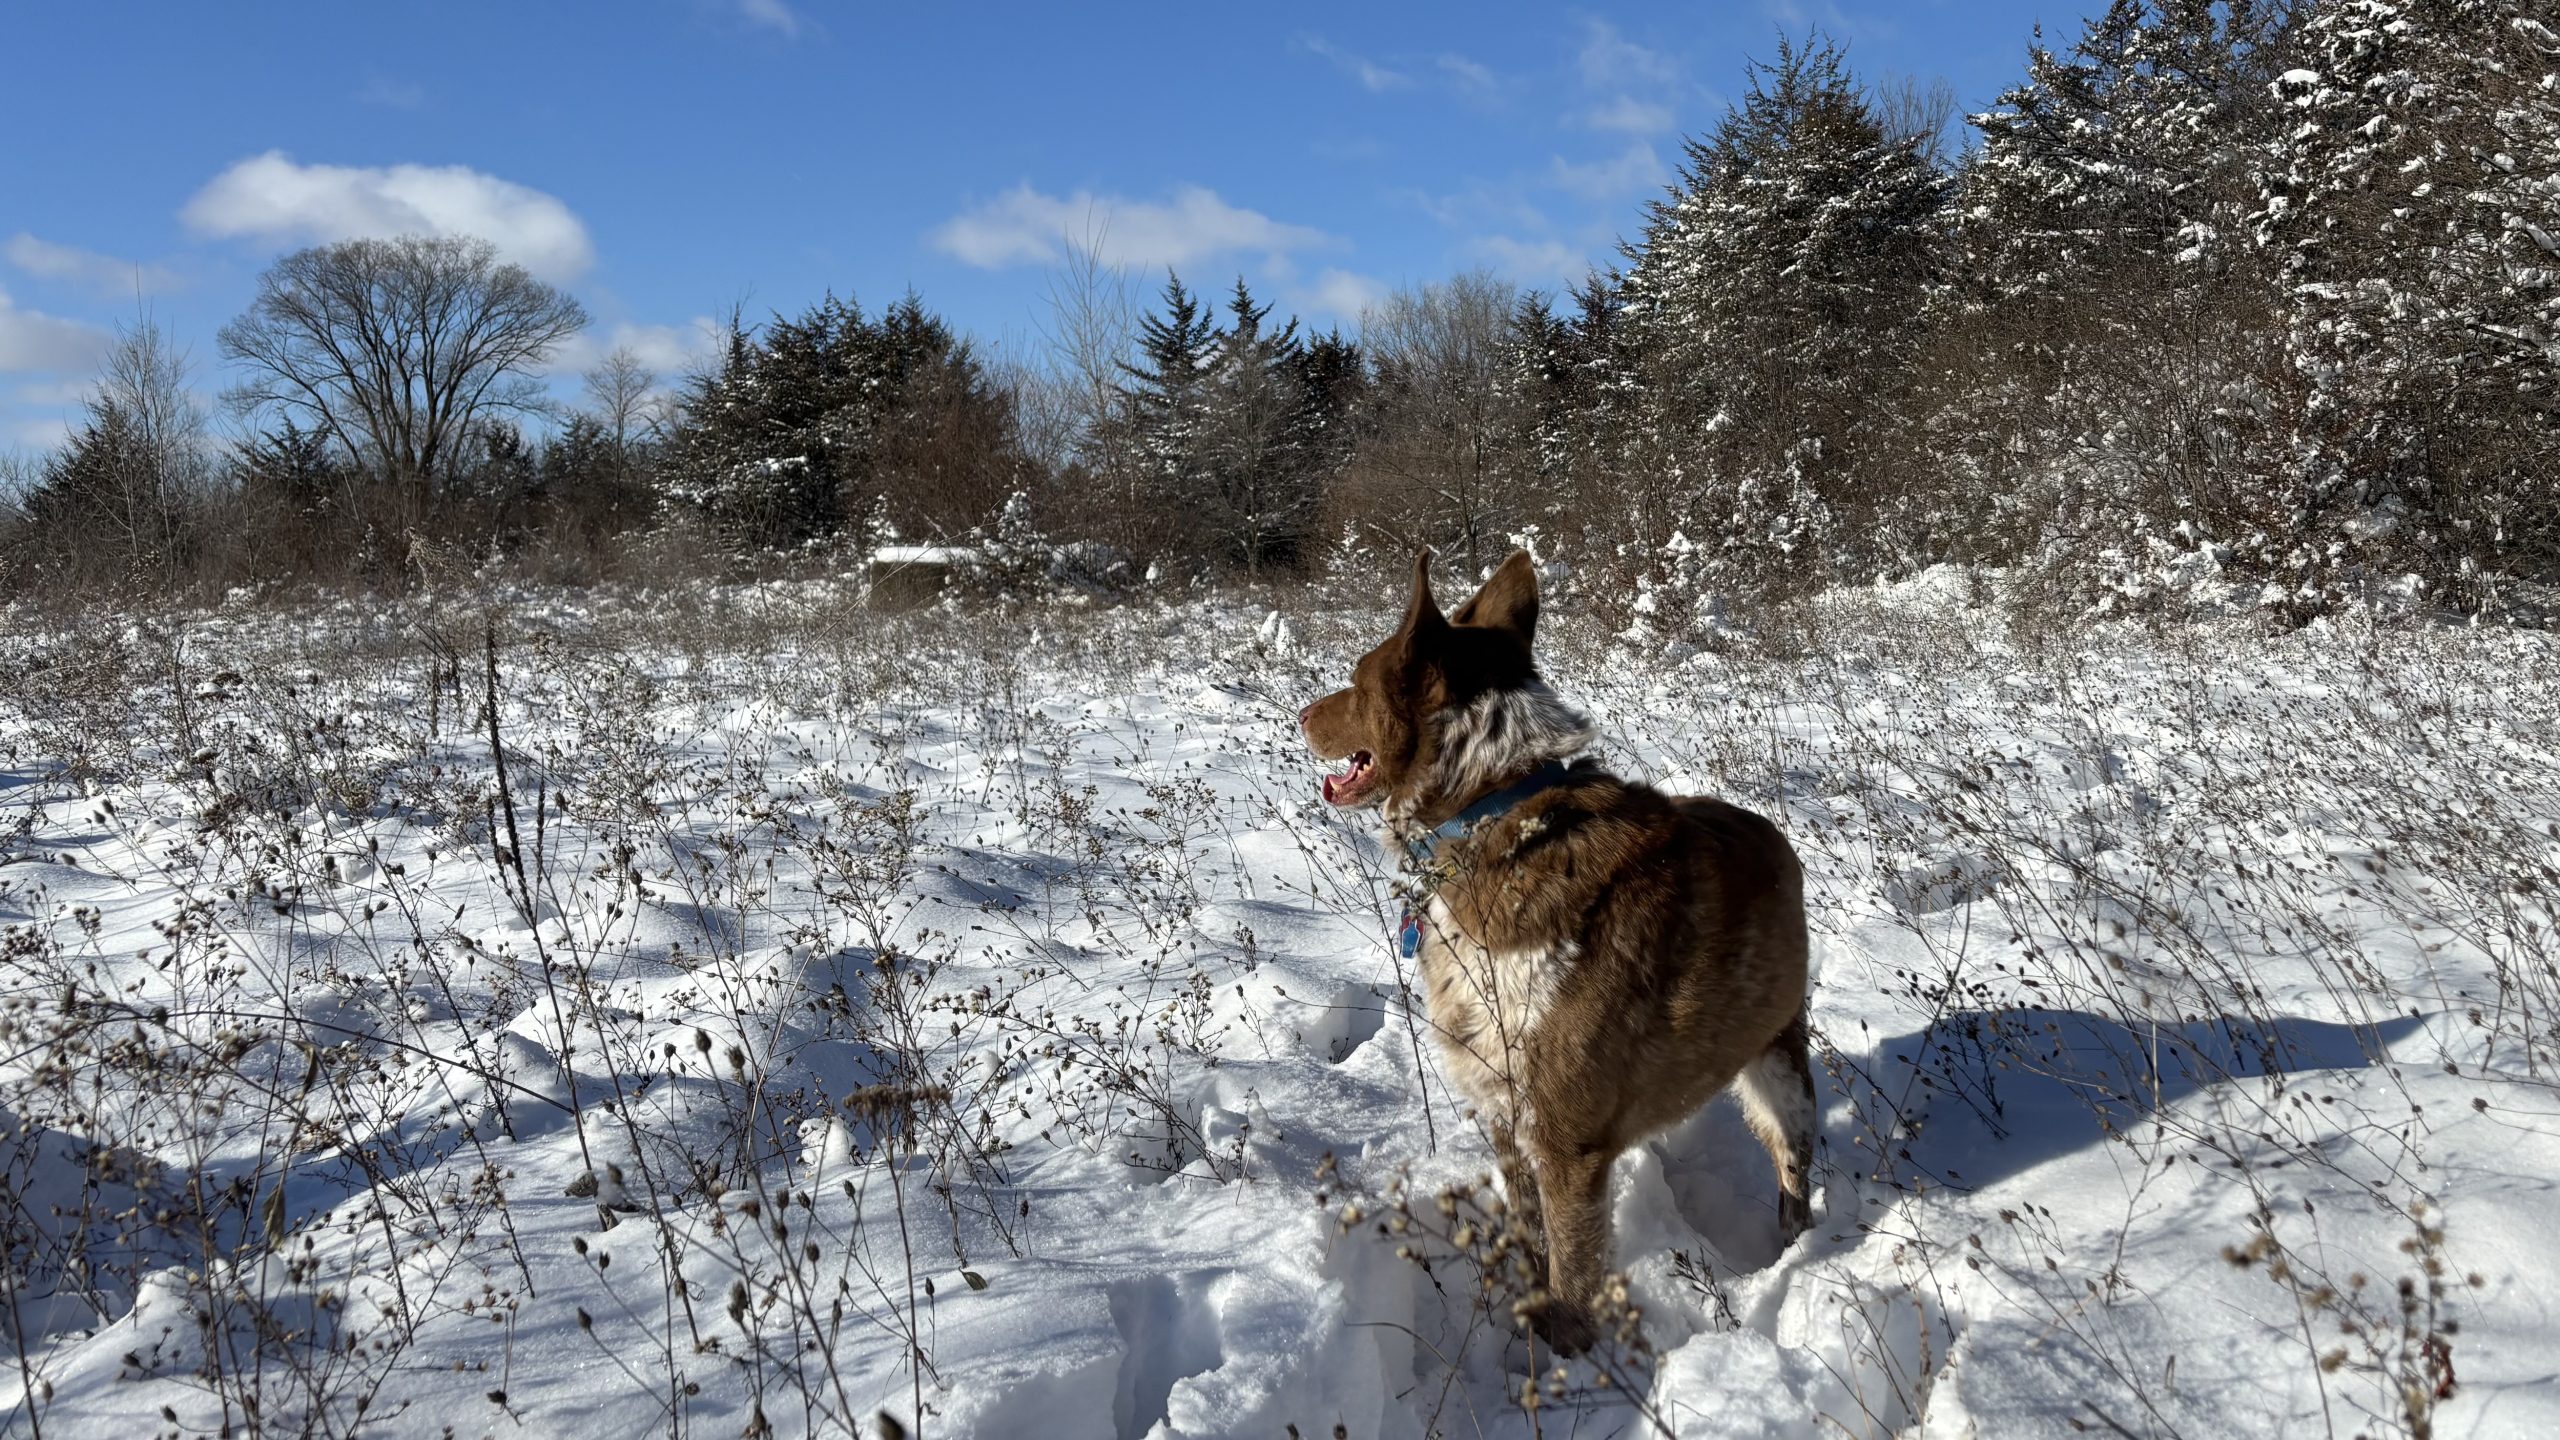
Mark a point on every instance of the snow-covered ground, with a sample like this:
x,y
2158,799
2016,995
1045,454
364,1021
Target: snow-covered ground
x,y
979,1020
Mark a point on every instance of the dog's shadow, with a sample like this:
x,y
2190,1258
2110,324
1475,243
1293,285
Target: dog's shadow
x,y
1983,1096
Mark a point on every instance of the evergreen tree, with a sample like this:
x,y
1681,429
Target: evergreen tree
x,y
938,443
1260,487
122,500
1332,388
2133,146
2412,204
85,488
746,454
589,480
2103,385
499,467
827,410
297,501
1779,289
1543,378
1164,393
290,471
1605,352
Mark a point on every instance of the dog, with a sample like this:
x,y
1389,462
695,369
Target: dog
x,y
1599,959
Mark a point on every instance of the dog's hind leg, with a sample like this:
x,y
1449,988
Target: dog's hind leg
x,y
1777,1098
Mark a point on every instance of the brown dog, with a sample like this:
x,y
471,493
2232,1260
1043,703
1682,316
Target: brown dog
x,y
1599,958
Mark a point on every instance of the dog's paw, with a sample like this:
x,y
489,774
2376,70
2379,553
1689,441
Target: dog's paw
x,y
1795,1216
1563,1326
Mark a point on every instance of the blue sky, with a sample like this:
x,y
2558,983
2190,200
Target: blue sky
x,y
668,159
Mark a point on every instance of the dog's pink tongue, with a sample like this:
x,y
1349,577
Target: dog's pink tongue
x,y
1328,788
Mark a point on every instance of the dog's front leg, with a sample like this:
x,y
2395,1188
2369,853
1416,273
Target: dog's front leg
x,y
1573,1182
1524,1214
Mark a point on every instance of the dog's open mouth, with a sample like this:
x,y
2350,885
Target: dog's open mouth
x,y
1348,786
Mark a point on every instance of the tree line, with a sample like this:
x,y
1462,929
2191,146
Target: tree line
x,y
2263,291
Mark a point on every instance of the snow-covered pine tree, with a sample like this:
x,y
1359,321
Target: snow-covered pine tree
x,y
1167,380
2107,385
2128,148
1577,376
1780,291
2413,205
938,436
773,445
747,454
1261,493
1164,400
1538,373
1577,385
1539,391
1605,354
1331,408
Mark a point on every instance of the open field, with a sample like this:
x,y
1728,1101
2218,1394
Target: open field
x,y
729,1012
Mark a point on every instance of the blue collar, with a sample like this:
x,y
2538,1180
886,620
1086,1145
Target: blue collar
x,y
1545,777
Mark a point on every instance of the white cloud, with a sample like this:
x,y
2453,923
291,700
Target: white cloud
x,y
1610,61
1023,226
1480,204
1534,260
1627,113
1373,77
1340,294
1467,73
1637,84
55,392
271,197
670,350
1634,169
41,433
772,15
34,342
1827,16
87,269
380,89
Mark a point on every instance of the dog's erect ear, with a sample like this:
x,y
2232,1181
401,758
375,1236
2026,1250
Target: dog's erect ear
x,y
1422,613
1508,601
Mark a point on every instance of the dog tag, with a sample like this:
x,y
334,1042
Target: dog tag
x,y
1409,936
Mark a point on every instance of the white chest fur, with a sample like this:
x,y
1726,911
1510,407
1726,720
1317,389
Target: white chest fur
x,y
1486,1006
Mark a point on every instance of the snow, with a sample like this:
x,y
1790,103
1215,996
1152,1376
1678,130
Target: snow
x,y
871,1017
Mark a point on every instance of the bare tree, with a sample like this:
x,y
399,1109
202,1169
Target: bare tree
x,y
624,394
147,376
398,349
1093,322
1443,464
1915,111
20,473
120,498
1045,406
